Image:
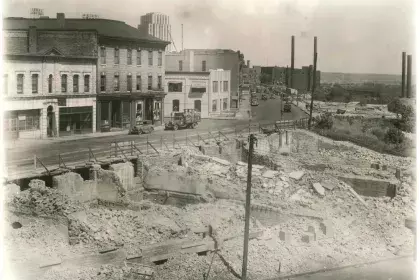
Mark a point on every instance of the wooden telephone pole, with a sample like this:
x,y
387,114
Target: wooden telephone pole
x,y
247,206
314,81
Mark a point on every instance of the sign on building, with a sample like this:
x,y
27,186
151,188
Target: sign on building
x,y
62,102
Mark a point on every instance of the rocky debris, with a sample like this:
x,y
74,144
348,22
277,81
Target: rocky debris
x,y
328,185
44,201
297,175
319,188
221,161
269,174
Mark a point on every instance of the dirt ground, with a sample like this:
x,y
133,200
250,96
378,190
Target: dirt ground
x,y
66,229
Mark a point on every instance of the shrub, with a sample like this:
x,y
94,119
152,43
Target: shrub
x,y
325,121
394,136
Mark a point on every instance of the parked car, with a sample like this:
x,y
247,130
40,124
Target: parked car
x,y
142,127
287,107
263,97
254,102
187,119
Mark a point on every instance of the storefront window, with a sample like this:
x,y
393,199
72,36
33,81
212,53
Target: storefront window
x,y
22,120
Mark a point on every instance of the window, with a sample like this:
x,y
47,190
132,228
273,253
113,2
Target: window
x,y
175,87
214,105
129,83
64,83
50,83
116,56
103,82
225,86
180,65
19,84
5,84
150,58
159,82
138,83
87,83
129,57
138,57
215,84
149,82
175,105
116,82
225,103
34,83
76,83
160,59
103,55
203,65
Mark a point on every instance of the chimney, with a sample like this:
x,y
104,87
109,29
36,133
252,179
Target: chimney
x,y
292,66
32,39
403,76
60,19
408,94
248,63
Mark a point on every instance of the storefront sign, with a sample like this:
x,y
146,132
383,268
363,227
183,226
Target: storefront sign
x,y
22,118
62,102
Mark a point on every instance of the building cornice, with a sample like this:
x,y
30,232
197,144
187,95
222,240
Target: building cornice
x,y
50,96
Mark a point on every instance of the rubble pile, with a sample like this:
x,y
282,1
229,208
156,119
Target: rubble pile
x,y
193,267
43,201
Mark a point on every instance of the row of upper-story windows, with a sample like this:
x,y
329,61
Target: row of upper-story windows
x,y
116,83
224,86
203,65
20,83
130,55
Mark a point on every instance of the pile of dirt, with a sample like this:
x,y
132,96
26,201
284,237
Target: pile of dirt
x,y
43,201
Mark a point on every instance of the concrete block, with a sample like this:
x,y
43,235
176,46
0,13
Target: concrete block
x,y
297,175
327,228
308,238
221,161
319,188
285,236
371,186
270,174
126,173
328,185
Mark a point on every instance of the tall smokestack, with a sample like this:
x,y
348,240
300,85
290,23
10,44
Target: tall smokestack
x,y
292,66
403,76
408,94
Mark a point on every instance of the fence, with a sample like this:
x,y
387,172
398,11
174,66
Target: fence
x,y
146,145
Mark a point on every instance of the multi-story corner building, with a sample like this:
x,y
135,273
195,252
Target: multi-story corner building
x,y
49,82
196,60
157,25
130,66
207,92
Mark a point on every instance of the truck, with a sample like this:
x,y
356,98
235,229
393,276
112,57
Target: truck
x,y
142,127
187,119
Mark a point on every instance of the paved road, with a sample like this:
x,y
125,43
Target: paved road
x,y
267,111
400,269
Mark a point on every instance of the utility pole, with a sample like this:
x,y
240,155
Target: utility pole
x,y
247,206
292,70
314,81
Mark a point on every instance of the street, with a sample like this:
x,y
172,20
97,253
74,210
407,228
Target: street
x,y
47,151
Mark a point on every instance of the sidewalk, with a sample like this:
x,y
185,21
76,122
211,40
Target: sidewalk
x,y
12,144
244,108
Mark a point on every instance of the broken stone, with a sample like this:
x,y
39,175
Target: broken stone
x,y
270,174
297,175
256,166
319,189
328,185
241,163
221,161
308,238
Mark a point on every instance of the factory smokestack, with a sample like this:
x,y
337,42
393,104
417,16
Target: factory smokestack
x,y
292,66
408,93
403,76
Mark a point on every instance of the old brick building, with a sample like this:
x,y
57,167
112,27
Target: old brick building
x,y
49,82
129,70
205,59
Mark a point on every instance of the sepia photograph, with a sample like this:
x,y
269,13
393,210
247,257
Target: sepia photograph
x,y
208,140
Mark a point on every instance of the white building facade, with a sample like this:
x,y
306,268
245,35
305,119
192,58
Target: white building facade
x,y
206,92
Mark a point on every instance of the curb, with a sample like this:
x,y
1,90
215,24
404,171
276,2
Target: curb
x,y
291,276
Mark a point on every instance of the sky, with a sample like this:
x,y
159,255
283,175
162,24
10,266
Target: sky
x,y
354,36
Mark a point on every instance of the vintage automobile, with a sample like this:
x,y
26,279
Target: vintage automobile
x,y
287,107
187,119
264,97
142,127
254,102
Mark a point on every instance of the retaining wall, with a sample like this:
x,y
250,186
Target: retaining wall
x,y
371,187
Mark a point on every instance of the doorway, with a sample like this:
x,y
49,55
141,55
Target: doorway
x,y
148,108
50,121
197,105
